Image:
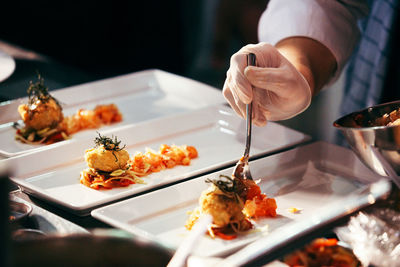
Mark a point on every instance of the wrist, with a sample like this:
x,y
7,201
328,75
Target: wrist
x,y
311,58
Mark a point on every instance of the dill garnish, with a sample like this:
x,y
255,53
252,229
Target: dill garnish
x,y
108,143
231,187
226,185
39,92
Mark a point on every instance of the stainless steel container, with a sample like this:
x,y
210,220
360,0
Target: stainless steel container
x,y
372,143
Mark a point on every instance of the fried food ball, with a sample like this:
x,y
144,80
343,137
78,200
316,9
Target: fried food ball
x,y
106,160
41,115
222,208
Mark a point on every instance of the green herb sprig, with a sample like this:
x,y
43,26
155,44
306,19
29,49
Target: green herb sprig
x,y
229,186
108,143
38,91
226,184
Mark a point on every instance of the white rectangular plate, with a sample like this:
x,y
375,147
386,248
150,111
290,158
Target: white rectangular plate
x,y
216,132
311,178
140,96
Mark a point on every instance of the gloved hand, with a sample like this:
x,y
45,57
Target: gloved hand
x,y
280,91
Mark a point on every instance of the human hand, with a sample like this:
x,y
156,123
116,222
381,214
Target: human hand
x,y
280,90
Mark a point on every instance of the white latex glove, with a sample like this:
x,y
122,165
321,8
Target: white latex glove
x,y
280,91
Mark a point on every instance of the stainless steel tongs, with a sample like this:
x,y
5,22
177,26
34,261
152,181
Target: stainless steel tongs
x,y
242,169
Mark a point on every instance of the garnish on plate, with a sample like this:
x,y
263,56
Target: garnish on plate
x,y
109,164
167,157
44,120
38,92
42,116
232,203
294,210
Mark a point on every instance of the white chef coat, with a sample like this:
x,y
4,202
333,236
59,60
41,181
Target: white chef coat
x,y
331,22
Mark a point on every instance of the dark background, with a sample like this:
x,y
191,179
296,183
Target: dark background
x,y
90,40
104,38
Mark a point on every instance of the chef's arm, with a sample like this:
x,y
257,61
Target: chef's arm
x,y
311,58
331,27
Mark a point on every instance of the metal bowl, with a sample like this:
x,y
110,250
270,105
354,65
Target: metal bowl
x,y
19,211
378,147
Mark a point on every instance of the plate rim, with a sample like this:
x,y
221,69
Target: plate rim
x,y
84,209
98,213
10,107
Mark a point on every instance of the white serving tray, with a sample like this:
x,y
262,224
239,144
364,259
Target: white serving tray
x,y
216,131
140,96
312,178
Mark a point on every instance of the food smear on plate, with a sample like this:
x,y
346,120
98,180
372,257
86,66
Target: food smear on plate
x,y
168,156
294,210
232,203
45,123
91,119
110,165
322,252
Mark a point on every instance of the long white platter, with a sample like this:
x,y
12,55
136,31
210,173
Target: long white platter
x,y
315,178
216,132
140,96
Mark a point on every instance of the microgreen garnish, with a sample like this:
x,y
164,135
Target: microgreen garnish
x,y
225,184
108,143
38,91
229,186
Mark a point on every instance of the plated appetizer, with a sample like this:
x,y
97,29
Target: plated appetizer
x,y
232,203
44,120
323,252
42,116
110,165
107,165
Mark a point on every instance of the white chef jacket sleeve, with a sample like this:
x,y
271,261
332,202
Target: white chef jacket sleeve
x,y
331,22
